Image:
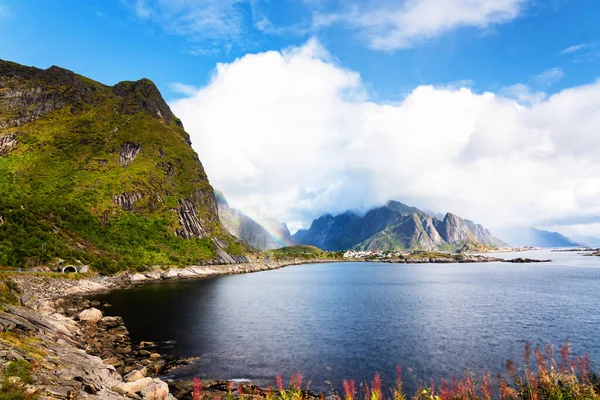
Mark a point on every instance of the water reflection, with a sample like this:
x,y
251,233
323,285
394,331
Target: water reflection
x,y
335,321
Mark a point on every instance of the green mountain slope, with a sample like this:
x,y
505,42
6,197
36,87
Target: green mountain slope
x,y
104,175
394,226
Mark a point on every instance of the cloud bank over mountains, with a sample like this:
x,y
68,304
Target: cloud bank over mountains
x,y
293,134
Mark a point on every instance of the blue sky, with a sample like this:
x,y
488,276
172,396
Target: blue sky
x,y
486,108
113,40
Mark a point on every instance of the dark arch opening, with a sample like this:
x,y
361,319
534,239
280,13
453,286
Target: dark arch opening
x,y
69,269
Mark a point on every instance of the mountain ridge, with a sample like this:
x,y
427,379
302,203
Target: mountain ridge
x,y
519,236
393,226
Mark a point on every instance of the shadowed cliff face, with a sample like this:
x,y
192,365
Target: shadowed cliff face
x,y
75,150
250,231
394,226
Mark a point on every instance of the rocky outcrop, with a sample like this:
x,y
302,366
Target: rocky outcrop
x,y
128,153
224,257
128,200
143,95
38,92
454,230
191,227
484,236
63,370
7,142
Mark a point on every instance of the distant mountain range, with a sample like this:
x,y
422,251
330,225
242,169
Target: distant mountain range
x,y
536,237
590,241
273,235
394,226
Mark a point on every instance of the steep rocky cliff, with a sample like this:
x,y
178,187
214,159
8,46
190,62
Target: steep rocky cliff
x,y
104,175
394,226
244,227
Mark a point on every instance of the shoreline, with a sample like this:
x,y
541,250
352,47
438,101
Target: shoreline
x,y
94,353
90,284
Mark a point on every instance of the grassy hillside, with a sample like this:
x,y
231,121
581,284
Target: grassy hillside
x,y
103,175
302,251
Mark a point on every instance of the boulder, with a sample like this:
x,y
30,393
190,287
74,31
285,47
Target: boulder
x,y
85,286
156,390
90,315
154,275
172,273
131,388
138,278
187,273
136,375
111,322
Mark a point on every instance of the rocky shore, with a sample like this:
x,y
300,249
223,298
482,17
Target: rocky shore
x,y
77,353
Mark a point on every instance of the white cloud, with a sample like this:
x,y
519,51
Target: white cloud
x,y
392,25
183,89
200,21
582,53
522,93
290,134
575,48
214,25
550,76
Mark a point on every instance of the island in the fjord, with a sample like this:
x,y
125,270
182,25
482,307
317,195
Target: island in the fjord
x,y
103,179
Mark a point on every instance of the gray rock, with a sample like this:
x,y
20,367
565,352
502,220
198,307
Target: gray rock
x,y
155,390
128,153
136,375
90,315
128,200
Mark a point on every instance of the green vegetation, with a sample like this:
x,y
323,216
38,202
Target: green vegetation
x,y
547,379
58,184
420,254
304,252
38,230
16,375
20,369
475,247
9,291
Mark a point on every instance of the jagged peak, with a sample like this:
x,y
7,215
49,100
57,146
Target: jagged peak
x,y
450,216
144,95
402,208
325,216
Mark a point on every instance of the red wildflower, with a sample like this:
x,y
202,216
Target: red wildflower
x,y
348,389
197,391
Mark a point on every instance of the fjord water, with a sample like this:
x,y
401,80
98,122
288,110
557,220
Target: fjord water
x,y
349,320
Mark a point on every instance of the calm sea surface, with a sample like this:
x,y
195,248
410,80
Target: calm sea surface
x,y
350,320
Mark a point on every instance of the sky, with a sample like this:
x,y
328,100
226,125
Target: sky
x,y
486,108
